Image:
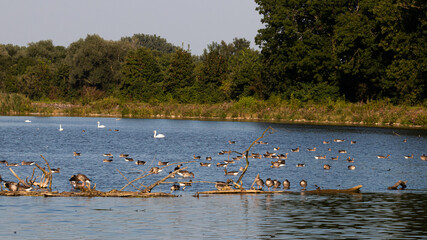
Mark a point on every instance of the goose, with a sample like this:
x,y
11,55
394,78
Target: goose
x,y
79,180
174,187
160,163
286,184
76,154
342,151
208,158
320,157
334,158
139,162
100,126
269,183
12,186
300,165
205,164
295,149
155,170
232,173
409,157
259,182
107,160
380,156
276,184
326,166
311,149
60,128
351,167
124,155
303,184
55,170
196,157
158,135
185,174
424,157
338,140
24,163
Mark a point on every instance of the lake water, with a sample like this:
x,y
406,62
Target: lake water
x,y
374,213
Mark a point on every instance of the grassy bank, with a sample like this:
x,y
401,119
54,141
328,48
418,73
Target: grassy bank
x,y
373,113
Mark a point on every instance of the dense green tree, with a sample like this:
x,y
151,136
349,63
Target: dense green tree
x,y
142,77
152,42
37,80
180,77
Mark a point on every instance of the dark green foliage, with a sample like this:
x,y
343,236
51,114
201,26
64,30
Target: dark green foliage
x,y
152,42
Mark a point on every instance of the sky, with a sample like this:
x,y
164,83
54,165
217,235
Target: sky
x,y
194,22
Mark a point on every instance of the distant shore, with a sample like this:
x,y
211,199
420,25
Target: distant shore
x,y
374,114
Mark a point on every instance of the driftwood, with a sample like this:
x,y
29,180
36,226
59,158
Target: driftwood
x,y
94,193
148,189
19,179
400,183
254,191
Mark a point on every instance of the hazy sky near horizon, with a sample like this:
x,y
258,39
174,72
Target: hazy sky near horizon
x,y
194,22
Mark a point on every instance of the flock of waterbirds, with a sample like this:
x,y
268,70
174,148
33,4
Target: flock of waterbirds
x,y
278,160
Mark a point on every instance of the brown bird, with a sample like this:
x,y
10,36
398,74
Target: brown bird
x,y
23,163
155,170
259,182
269,183
174,187
76,154
196,157
303,184
326,166
107,160
424,157
311,149
205,164
233,173
139,162
276,184
160,163
295,149
380,156
334,158
79,180
409,157
185,174
351,167
286,184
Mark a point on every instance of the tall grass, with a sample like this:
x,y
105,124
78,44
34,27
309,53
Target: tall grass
x,y
372,113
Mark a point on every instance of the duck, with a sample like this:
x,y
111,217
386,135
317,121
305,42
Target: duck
x,y
60,128
24,163
12,186
208,158
231,142
79,180
424,157
311,149
327,167
269,183
158,135
342,151
286,184
12,164
295,149
221,164
175,187
259,182
283,156
352,142
300,165
409,157
55,170
100,125
326,142
107,160
177,167
186,174
205,164
155,170
334,158
351,167
276,148
76,154
320,157
277,164
185,184
221,186
122,155
303,184
276,184
339,140
3,161
232,173
329,149
229,161
196,157
27,121
160,163
350,159
139,162
128,159
380,156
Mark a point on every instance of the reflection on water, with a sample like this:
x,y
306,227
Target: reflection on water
x,y
349,216
375,213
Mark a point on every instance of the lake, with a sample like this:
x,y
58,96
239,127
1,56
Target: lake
x,y
374,213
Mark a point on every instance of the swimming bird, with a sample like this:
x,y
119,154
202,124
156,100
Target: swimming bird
x,y
100,126
205,164
325,142
311,149
139,162
295,149
409,157
174,187
231,142
60,128
326,166
55,170
208,158
155,170
352,142
303,184
108,155
27,121
286,184
300,165
12,186
79,180
76,154
221,186
3,161
269,183
276,148
24,163
122,155
350,159
338,140
380,156
320,157
277,164
160,163
351,167
424,157
233,173
334,158
158,135
342,151
185,174
128,159
196,157
12,164
107,160
221,164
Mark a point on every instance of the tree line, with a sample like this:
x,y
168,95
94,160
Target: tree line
x,y
309,50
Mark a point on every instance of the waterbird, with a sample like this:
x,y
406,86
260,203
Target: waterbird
x,y
174,187
185,184
208,158
233,173
155,170
122,155
269,183
27,121
221,164
100,126
55,170
128,159
351,167
12,164
409,157
185,174
60,128
325,142
24,163
276,184
158,135
380,156
311,149
334,158
342,151
231,142
76,154
205,164
259,182
12,186
338,140
295,149
303,184
219,185
352,142
326,166
139,162
107,160
160,163
196,157
286,184
320,157
424,157
300,165
79,180
108,155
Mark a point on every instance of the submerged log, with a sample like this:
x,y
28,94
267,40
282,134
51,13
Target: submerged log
x,y
355,189
93,193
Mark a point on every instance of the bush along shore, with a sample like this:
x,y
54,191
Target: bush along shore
x,y
372,113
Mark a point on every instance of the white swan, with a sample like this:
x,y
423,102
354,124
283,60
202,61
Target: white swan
x,y
60,128
100,126
27,121
158,135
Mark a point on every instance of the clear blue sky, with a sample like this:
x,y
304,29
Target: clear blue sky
x,y
194,22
